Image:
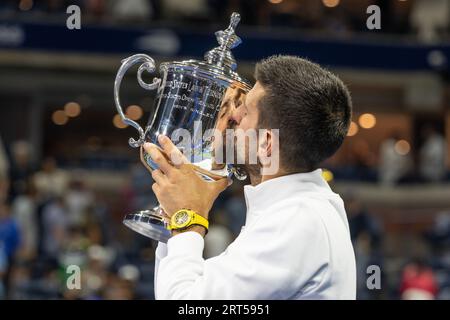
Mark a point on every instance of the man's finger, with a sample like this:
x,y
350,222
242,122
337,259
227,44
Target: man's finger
x,y
158,158
159,177
219,185
155,189
176,156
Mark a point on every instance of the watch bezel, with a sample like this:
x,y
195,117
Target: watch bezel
x,y
176,225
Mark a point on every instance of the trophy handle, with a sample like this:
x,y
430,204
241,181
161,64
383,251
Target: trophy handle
x,y
147,64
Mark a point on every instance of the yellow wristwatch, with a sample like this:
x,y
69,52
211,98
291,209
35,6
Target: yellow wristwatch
x,y
185,218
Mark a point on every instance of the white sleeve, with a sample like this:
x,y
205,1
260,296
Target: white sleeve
x,y
254,268
160,253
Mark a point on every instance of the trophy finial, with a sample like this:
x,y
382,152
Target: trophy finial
x,y
234,20
222,56
228,38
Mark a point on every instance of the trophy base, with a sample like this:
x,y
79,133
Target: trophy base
x,y
148,223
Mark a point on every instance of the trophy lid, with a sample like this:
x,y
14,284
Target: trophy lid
x,y
219,62
221,56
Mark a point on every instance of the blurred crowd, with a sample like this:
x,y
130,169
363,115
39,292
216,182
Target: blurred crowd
x,y
428,19
397,160
431,159
423,275
48,221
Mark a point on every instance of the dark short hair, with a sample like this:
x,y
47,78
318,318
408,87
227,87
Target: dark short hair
x,y
309,105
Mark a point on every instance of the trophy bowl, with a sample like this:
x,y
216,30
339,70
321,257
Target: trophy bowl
x,y
193,103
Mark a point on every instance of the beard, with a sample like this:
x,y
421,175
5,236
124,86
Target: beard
x,y
230,151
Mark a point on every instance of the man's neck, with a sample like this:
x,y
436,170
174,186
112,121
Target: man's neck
x,y
256,177
254,174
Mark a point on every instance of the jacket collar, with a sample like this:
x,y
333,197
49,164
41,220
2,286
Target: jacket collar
x,y
258,198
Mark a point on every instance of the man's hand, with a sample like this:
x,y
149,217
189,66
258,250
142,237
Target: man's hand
x,y
179,186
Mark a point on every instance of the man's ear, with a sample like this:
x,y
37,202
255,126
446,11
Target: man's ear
x,y
265,143
269,154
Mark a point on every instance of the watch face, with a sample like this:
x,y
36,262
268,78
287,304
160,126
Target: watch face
x,y
181,218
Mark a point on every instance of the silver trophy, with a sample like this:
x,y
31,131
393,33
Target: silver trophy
x,y
194,96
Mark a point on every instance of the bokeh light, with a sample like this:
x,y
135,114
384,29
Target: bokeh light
x,y
327,175
59,118
402,147
367,121
353,129
72,109
330,3
25,5
118,123
134,112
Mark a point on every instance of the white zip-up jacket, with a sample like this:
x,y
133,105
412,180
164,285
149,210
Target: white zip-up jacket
x,y
295,245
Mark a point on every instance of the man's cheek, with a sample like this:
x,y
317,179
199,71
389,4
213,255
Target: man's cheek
x,y
242,125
